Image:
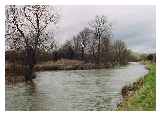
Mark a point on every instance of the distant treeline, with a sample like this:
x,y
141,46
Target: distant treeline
x,y
18,57
69,52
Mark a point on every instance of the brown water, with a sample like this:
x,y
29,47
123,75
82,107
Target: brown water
x,y
73,90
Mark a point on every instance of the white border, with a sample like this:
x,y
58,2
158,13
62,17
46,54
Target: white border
x,y
2,58
158,58
75,2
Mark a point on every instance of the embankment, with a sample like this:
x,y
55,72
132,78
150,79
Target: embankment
x,y
140,95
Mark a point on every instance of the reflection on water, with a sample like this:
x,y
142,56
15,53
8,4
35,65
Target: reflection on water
x,y
73,90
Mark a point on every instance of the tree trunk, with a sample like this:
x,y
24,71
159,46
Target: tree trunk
x,y
98,57
29,63
82,55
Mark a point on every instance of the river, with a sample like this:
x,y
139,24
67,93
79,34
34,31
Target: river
x,y
80,90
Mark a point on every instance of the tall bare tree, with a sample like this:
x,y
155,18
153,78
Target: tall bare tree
x,y
26,26
92,48
84,38
76,43
101,27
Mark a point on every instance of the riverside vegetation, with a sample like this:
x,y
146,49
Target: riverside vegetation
x,y
141,95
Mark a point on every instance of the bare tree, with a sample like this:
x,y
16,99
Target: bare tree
x,y
106,51
120,52
92,47
84,37
68,50
101,27
77,45
27,27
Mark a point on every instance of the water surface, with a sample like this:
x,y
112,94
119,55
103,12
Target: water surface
x,y
73,90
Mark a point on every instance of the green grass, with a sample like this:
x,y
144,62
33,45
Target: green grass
x,y
145,98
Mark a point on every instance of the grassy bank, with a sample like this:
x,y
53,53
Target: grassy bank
x,y
144,98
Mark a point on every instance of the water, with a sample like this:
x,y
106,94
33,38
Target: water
x,y
73,90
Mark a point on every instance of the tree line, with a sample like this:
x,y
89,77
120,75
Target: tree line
x,y
95,44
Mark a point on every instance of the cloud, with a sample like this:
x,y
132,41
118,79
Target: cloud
x,y
133,24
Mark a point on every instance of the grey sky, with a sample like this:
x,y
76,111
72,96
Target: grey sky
x,y
133,24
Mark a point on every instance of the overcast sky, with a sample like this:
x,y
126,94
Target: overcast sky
x,y
133,24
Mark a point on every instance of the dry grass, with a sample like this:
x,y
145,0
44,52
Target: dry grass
x,y
12,68
14,73
62,62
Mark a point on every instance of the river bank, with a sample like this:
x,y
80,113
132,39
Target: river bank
x,y
14,72
140,95
65,64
